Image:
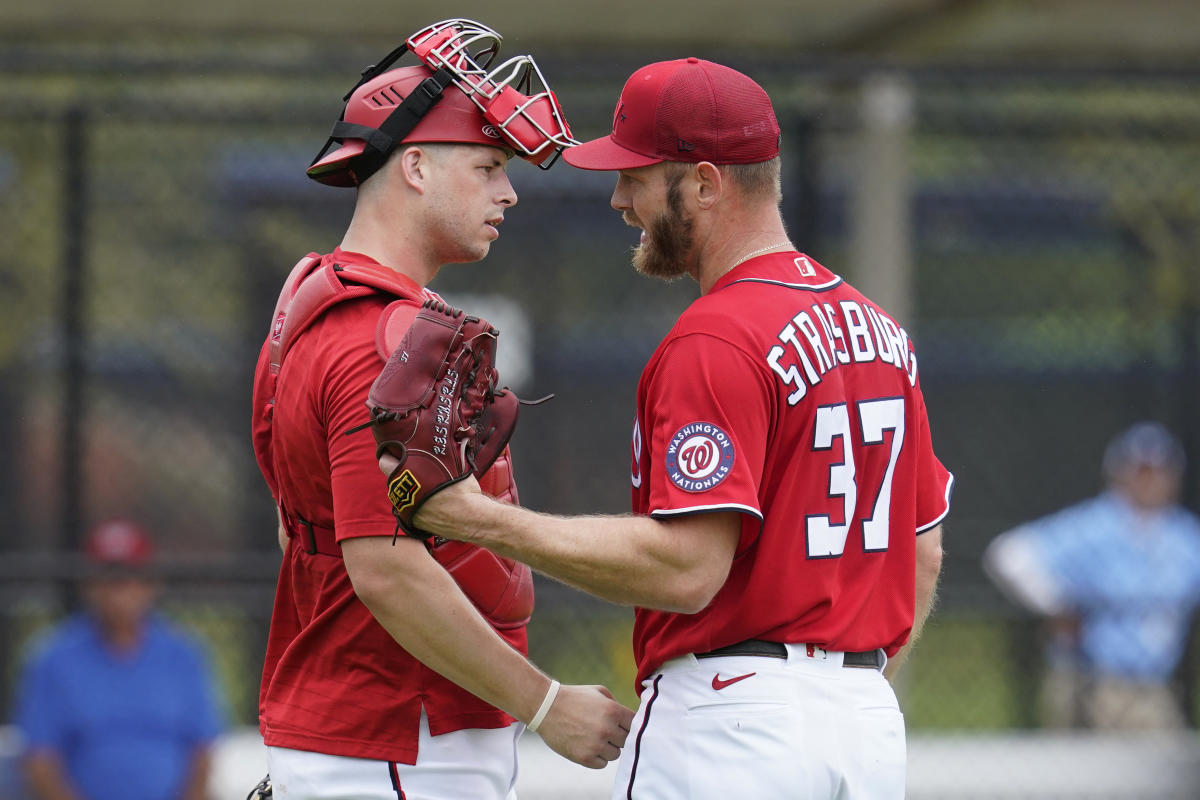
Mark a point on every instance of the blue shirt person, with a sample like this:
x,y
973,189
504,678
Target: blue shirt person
x,y
115,703
1124,567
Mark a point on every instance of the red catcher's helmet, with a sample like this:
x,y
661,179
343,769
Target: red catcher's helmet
x,y
510,106
454,118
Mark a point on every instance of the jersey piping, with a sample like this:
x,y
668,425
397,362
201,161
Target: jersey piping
x,y
802,287
945,513
679,512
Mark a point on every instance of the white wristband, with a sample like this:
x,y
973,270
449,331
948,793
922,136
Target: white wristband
x,y
544,709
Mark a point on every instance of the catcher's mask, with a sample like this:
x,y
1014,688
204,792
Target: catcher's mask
x,y
510,107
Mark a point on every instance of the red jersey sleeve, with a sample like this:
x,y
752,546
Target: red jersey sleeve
x,y
934,481
706,416
359,489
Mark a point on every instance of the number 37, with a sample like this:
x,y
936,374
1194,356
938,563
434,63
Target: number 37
x,y
827,539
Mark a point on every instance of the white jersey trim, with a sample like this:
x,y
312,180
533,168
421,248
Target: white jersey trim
x,y
677,512
808,287
942,516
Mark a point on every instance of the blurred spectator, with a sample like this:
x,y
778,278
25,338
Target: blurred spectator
x,y
1118,579
115,703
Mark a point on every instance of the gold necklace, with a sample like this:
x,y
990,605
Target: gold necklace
x,y
751,255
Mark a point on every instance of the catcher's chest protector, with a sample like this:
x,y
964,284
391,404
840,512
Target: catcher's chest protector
x,y
502,589
310,290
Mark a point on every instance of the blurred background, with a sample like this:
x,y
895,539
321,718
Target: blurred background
x,y
1018,181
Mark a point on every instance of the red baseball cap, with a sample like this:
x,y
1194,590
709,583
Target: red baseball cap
x,y
119,543
685,110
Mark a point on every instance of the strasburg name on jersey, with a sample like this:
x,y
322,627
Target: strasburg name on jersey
x,y
825,336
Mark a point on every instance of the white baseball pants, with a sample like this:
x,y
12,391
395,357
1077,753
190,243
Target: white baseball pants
x,y
474,763
801,728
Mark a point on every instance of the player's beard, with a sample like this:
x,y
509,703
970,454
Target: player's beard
x,y
669,248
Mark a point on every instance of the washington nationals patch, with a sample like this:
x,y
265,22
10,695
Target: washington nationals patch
x,y
699,457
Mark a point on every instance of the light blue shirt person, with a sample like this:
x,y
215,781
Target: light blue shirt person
x,y
1125,563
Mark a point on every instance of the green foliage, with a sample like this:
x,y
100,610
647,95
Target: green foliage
x,y
595,648
959,677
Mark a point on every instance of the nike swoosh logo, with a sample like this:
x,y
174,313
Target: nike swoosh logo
x,y
719,684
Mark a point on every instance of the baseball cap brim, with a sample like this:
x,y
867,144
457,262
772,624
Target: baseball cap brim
x,y
605,154
334,168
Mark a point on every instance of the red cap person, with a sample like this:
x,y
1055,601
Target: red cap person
x,y
687,110
119,543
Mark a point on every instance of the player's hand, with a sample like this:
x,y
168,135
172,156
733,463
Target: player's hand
x,y
586,725
440,512
443,513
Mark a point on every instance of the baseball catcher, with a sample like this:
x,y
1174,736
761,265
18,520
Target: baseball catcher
x,y
388,650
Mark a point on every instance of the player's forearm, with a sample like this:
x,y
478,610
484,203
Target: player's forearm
x,y
423,609
628,560
1014,562
929,567
450,637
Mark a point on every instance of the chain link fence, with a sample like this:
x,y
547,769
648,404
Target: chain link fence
x,y
1045,239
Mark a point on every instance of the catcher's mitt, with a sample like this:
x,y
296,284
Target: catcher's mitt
x,y
435,407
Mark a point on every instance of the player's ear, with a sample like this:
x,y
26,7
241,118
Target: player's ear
x,y
709,184
413,164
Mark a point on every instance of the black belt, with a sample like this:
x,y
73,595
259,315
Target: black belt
x,y
757,647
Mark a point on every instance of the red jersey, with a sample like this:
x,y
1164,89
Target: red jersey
x,y
786,395
334,680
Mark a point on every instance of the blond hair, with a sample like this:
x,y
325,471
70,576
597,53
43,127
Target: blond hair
x,y
752,180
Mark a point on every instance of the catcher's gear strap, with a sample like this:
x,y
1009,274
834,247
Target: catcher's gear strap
x,y
311,289
381,141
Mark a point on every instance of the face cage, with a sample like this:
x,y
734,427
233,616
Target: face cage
x,y
449,44
527,112
531,121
